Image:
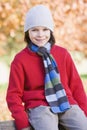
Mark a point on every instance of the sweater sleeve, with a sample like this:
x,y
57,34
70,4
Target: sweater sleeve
x,y
75,84
14,95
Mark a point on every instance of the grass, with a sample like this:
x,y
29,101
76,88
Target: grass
x,y
84,76
84,80
3,87
4,111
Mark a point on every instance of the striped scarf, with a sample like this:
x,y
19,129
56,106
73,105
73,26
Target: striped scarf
x,y
54,91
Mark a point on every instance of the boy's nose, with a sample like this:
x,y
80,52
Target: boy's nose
x,y
40,33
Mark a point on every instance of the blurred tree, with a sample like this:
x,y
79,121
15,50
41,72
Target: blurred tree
x,y
11,24
70,23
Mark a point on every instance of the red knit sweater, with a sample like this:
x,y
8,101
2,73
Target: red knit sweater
x,y
26,83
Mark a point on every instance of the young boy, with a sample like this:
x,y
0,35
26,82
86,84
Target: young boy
x,y
44,78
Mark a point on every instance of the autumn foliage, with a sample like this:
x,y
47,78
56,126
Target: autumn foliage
x,y
70,17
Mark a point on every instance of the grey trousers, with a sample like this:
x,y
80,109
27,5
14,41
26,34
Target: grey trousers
x,y
41,118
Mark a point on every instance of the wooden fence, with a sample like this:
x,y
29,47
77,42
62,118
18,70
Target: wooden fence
x,y
10,125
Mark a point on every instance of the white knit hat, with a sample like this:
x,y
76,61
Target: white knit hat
x,y
39,15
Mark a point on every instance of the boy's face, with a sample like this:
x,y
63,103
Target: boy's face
x,y
39,35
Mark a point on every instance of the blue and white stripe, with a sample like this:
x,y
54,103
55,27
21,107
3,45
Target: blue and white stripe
x,y
54,91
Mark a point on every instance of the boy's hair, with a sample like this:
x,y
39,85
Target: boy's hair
x,y
27,39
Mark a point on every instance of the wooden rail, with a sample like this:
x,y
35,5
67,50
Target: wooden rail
x,y
10,125
7,125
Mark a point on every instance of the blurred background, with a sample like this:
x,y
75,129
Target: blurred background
x,y
70,17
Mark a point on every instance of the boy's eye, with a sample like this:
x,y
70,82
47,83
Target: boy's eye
x,y
45,29
34,30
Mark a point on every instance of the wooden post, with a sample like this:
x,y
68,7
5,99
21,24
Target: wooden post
x,y
7,125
